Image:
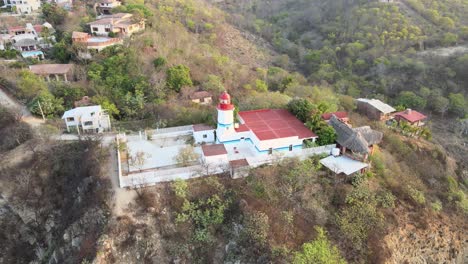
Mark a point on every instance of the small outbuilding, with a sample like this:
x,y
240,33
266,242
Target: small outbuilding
x,y
215,154
57,72
374,109
413,117
239,168
201,97
203,134
341,115
343,165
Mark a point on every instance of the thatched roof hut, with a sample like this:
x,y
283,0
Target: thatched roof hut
x,y
356,139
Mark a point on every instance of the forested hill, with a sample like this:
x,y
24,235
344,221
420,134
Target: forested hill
x,y
368,48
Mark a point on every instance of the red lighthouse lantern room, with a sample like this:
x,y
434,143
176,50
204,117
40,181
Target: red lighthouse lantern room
x,y
225,102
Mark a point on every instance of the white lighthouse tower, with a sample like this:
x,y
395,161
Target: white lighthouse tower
x,y
225,129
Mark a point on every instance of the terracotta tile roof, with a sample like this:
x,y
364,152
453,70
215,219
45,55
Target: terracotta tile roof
x,y
411,115
270,124
16,28
239,163
214,150
77,34
47,69
202,127
242,128
340,115
38,28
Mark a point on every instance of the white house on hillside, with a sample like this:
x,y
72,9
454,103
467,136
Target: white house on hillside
x,y
88,119
121,24
23,6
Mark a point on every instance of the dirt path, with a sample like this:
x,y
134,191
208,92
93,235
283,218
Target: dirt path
x,y
122,197
10,103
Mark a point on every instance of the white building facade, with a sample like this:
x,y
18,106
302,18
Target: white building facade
x,y
267,130
23,7
87,119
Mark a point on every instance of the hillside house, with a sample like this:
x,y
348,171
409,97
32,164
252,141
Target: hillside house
x,y
105,6
413,117
374,109
56,72
87,119
342,116
201,97
92,43
30,39
357,143
121,24
23,7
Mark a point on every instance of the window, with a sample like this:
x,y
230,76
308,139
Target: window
x,y
92,113
290,147
270,151
88,123
70,119
95,29
205,136
107,29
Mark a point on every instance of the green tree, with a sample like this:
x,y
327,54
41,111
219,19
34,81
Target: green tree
x,y
319,251
449,39
458,104
51,106
159,62
409,99
53,14
440,104
30,85
178,76
301,108
326,135
106,105
214,83
61,52
261,86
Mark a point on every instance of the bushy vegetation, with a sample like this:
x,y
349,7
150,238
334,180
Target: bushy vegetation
x,y
14,132
70,193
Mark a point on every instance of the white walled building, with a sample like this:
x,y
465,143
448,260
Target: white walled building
x,y
105,6
30,39
23,6
215,154
122,24
88,119
203,134
267,130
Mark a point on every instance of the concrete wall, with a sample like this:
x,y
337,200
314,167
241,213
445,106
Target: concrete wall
x,y
216,160
156,176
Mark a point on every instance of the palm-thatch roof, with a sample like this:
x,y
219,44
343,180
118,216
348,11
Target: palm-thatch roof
x,y
356,139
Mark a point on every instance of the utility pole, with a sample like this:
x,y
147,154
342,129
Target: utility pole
x,y
40,108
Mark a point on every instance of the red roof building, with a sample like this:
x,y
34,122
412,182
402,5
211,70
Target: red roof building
x,y
268,124
341,115
214,150
411,116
